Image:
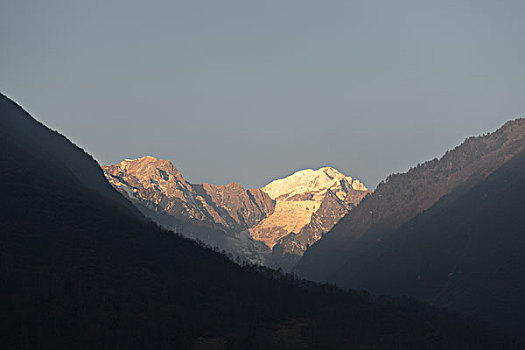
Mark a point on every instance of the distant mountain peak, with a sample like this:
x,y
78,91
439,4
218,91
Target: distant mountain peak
x,y
145,158
309,201
143,161
310,180
159,185
147,166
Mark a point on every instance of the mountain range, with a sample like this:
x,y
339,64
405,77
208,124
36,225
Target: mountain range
x,y
81,268
271,226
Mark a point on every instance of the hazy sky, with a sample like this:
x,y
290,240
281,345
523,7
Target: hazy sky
x,y
248,91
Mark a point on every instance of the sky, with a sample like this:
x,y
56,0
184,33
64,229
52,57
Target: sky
x,y
250,91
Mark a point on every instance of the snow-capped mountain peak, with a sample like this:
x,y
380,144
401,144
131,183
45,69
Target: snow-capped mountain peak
x,y
313,182
307,204
292,212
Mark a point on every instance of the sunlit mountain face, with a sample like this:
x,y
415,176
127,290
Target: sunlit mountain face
x,y
272,226
308,204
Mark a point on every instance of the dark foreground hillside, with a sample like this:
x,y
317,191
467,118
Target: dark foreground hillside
x,y
79,271
450,232
466,252
401,197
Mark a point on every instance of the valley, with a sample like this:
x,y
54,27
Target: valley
x,y
81,268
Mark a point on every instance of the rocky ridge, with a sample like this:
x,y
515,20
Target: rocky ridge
x,y
288,214
157,184
308,204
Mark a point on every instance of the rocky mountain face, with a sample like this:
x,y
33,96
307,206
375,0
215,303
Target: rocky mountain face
x,y
287,215
216,215
160,186
308,204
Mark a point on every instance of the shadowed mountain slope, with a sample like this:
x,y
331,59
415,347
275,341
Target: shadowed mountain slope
x,y
448,231
465,252
403,196
59,156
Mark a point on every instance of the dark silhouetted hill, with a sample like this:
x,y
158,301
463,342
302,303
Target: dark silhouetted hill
x,y
465,252
448,231
61,159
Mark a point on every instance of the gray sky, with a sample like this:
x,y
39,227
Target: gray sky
x,y
248,91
